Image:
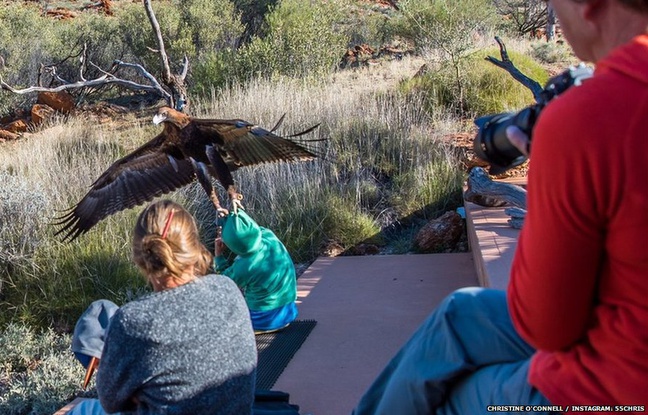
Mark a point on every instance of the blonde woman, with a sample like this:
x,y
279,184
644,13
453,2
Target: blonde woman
x,y
188,347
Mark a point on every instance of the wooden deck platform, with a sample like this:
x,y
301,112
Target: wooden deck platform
x,y
366,308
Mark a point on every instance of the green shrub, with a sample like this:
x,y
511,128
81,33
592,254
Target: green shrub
x,y
217,70
448,26
253,14
551,52
21,51
38,373
368,26
300,41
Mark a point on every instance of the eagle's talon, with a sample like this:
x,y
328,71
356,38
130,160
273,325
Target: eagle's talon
x,y
236,204
234,195
222,212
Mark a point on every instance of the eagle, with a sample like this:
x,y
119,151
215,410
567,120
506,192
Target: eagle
x,y
187,149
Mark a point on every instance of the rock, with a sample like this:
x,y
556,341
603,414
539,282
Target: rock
x,y
441,234
358,54
17,126
363,249
331,248
41,112
7,136
62,14
60,101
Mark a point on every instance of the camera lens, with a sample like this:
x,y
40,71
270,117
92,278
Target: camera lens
x,y
491,143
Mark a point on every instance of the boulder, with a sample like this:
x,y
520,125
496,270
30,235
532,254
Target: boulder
x,y
16,126
41,112
7,136
441,234
60,101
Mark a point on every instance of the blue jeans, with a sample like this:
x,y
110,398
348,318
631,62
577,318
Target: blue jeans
x,y
89,407
463,358
274,319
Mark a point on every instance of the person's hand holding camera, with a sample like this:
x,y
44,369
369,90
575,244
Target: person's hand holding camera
x,y
518,139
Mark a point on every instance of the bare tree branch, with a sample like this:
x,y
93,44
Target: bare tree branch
x,y
146,74
101,81
166,69
185,68
550,31
528,16
175,83
106,79
509,67
84,58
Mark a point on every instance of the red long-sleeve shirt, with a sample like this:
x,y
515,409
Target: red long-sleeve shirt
x,y
579,280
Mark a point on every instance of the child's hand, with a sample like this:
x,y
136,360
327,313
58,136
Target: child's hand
x,y
219,246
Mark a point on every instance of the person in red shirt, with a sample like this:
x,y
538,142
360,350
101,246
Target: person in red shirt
x,y
579,281
572,327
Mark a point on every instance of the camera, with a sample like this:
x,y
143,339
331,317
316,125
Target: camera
x,y
492,145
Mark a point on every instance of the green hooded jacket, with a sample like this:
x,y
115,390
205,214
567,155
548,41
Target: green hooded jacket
x,y
263,269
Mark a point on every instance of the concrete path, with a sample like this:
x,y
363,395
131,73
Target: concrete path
x,y
366,308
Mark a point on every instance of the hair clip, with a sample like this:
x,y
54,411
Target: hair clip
x,y
167,224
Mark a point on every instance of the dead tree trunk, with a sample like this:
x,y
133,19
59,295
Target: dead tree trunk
x,y
550,31
484,191
175,83
481,189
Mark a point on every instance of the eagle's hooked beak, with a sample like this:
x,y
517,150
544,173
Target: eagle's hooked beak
x,y
159,118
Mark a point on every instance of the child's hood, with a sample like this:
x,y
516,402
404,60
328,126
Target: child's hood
x,y
241,233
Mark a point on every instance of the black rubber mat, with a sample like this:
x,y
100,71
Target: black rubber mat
x,y
276,349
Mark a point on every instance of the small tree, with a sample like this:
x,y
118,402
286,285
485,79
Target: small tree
x,y
297,41
449,27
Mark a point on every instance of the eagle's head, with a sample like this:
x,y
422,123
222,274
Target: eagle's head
x,y
169,115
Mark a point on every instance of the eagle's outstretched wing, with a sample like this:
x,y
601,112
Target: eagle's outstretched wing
x,y
240,143
130,181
